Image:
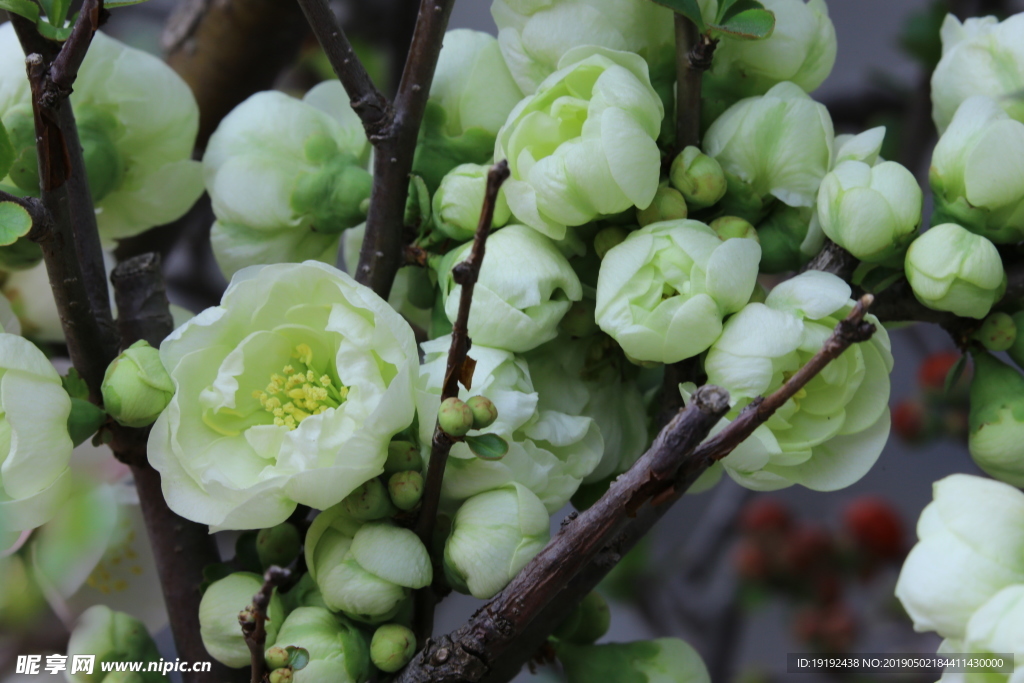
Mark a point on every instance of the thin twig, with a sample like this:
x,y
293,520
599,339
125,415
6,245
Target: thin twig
x,y
254,620
64,69
466,274
368,102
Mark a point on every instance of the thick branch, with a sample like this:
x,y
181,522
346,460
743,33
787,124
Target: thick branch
x,y
368,103
254,620
693,57
833,259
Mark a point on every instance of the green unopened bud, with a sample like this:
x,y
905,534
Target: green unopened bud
x,y
668,204
402,456
608,238
333,195
112,637
484,411
276,657
368,502
579,320
392,647
698,177
406,489
952,269
998,332
282,675
458,199
455,417
278,545
733,227
588,622
997,419
136,387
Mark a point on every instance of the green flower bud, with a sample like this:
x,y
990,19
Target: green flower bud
x,y
278,545
136,387
112,637
458,201
282,675
786,239
402,456
997,419
332,196
665,660
406,489
592,619
276,657
608,238
951,269
733,227
392,647
484,411
998,332
337,650
219,613
369,501
668,204
455,417
698,177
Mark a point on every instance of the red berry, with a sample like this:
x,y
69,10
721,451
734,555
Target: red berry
x,y
908,420
751,561
875,527
765,515
934,369
807,547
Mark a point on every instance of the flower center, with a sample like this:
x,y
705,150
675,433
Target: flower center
x,y
299,391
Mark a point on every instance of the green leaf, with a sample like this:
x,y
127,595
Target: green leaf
x,y
751,24
23,8
487,446
84,420
7,153
298,657
110,4
58,33
14,223
56,11
955,372
688,8
730,8
75,385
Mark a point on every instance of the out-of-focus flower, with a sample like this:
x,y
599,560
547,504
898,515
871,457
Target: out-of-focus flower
x,y
665,660
112,637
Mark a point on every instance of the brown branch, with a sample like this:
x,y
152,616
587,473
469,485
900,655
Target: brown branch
x,y
64,69
368,102
693,57
381,254
254,620
466,274
833,259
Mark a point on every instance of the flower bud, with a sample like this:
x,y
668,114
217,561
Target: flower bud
x,y
998,332
402,456
369,501
484,411
276,657
455,417
392,647
219,614
337,650
665,660
698,177
494,535
951,269
668,204
459,199
997,419
607,238
282,675
136,387
871,211
111,637
406,489
733,227
278,545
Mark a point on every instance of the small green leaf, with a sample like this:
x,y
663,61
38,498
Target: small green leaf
x,y
487,446
688,8
298,657
56,11
23,8
730,8
751,24
75,385
7,153
955,372
84,420
14,223
58,33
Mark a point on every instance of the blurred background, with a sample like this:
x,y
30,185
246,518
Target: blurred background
x,y
746,578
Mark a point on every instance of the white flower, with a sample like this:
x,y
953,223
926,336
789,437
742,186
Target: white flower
x,y
337,650
218,617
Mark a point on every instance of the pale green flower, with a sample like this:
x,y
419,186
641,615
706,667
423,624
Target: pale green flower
x,y
975,174
137,122
550,451
34,444
981,56
871,211
494,534
951,269
830,434
457,202
525,288
997,419
233,449
364,570
778,144
534,36
995,627
663,292
970,547
584,144
218,617
801,49
112,637
665,660
286,178
337,650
